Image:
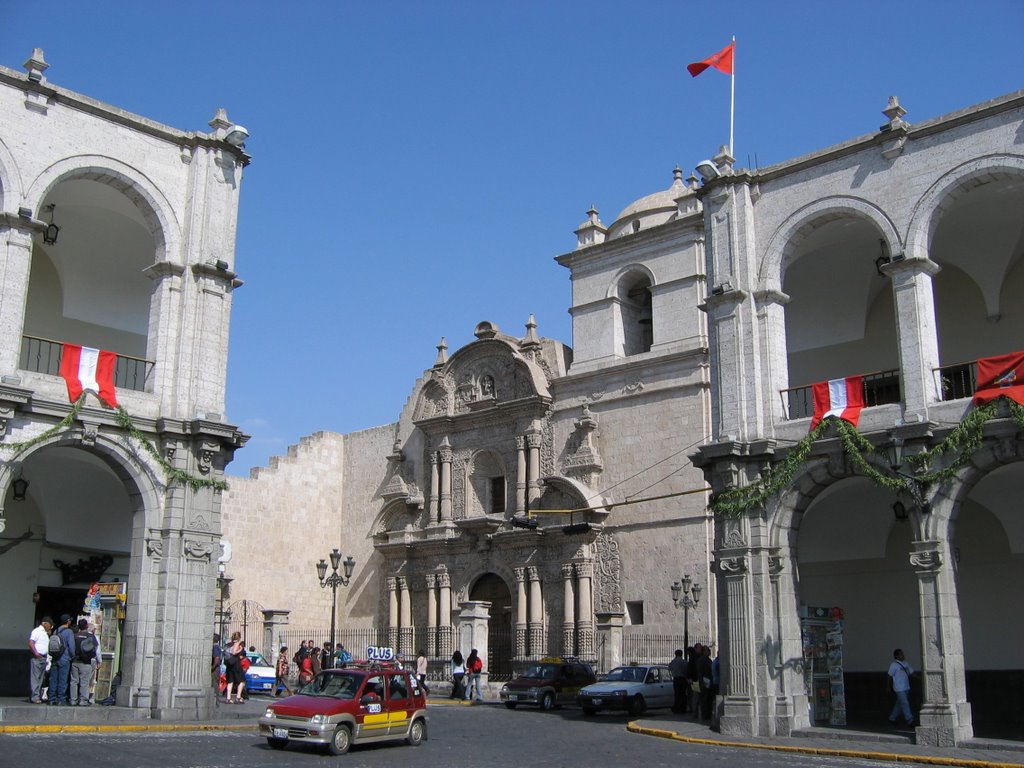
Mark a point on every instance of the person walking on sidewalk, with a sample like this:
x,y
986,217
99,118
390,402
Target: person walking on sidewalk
x,y
86,649
679,683
474,667
421,672
61,671
39,644
281,673
899,683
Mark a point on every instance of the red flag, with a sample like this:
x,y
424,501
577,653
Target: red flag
x,y
842,398
89,370
1000,376
721,61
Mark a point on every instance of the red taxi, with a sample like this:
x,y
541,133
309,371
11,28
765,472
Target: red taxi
x,y
362,703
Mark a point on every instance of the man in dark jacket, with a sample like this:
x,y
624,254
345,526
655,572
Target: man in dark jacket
x,y
60,670
84,661
704,678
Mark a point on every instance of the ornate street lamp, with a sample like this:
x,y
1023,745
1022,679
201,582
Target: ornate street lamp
x,y
334,581
681,595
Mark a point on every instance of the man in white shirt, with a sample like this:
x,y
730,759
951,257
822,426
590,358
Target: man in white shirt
x,y
39,644
899,683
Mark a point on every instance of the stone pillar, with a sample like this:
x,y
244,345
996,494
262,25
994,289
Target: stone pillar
x,y
609,641
585,618
533,464
405,628
568,612
274,623
445,454
918,336
945,717
473,623
520,627
444,625
535,624
520,476
392,586
15,263
736,646
431,649
434,512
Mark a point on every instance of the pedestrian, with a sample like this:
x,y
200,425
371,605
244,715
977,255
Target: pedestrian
x,y
398,659
233,667
61,669
95,663
458,670
39,644
421,671
327,656
82,664
704,672
342,655
899,683
474,668
305,670
693,655
217,663
716,682
678,669
281,673
314,657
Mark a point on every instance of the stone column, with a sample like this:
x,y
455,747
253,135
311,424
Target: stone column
x,y
568,612
533,470
473,621
945,717
535,625
918,336
520,627
274,623
392,586
405,629
15,264
736,646
431,615
445,454
434,513
585,619
520,476
609,641
444,624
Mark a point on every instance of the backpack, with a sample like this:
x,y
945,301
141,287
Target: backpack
x,y
56,647
85,647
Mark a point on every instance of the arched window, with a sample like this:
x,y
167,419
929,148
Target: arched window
x,y
636,314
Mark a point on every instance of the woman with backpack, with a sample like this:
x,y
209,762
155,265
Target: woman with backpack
x,y
235,673
458,676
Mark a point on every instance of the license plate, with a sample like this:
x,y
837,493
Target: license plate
x,y
267,686
280,733
595,701
513,697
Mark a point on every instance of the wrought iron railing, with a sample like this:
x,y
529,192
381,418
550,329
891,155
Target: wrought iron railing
x,y
880,387
44,355
956,380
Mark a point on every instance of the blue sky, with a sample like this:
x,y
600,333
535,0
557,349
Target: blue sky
x,y
418,165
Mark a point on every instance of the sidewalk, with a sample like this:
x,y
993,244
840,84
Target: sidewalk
x,y
895,746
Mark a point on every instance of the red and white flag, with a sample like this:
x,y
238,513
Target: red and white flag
x,y
89,370
842,398
723,61
1000,376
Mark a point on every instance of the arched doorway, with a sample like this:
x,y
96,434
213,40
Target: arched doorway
x,y
493,589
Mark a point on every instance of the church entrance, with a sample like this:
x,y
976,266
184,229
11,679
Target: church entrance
x,y
492,588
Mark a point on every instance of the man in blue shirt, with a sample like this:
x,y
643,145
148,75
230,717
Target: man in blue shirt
x,y
61,667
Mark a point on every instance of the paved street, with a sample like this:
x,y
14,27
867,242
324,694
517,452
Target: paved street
x,y
485,736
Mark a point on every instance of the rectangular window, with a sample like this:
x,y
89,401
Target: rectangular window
x,y
635,611
497,495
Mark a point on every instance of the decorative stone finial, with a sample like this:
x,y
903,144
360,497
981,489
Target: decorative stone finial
x,y
36,65
531,331
442,353
895,113
677,175
220,120
692,181
591,231
724,160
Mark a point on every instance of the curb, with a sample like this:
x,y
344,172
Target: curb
x,y
825,752
69,728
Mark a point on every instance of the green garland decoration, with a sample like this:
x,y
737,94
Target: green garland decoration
x,y
964,440
124,420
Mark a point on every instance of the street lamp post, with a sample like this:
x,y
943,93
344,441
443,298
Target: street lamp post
x,y
334,581
681,595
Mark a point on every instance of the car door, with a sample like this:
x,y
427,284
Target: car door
x,y
661,688
372,717
399,705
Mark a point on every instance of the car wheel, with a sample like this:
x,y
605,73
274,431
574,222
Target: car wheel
x,y
417,733
637,706
341,742
589,711
510,704
277,743
547,701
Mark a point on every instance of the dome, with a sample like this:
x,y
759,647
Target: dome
x,y
650,211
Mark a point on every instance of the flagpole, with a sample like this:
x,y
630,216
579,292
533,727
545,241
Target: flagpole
x,y
732,99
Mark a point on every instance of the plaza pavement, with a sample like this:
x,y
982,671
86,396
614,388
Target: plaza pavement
x,y
18,716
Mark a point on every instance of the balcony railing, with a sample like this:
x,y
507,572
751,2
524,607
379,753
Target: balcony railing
x,y
956,380
43,356
880,388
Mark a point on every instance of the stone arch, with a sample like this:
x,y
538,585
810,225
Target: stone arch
x,y
391,515
487,497
786,238
136,186
953,184
11,184
632,291
636,268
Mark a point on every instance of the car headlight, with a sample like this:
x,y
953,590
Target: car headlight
x,y
269,712
318,720
619,693
504,688
533,689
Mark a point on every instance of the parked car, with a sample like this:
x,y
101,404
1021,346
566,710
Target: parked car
x,y
633,688
548,683
365,702
260,676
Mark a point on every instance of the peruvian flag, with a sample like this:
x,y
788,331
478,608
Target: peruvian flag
x,y
1000,376
843,398
89,370
721,61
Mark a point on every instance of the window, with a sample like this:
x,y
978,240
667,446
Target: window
x,y
635,611
497,495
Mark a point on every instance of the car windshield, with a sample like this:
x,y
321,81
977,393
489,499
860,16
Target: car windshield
x,y
333,685
627,674
258,660
542,671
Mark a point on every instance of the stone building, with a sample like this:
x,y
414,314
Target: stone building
x,y
116,233
896,257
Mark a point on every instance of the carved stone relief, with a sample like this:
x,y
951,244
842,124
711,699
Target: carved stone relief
x,y
609,575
